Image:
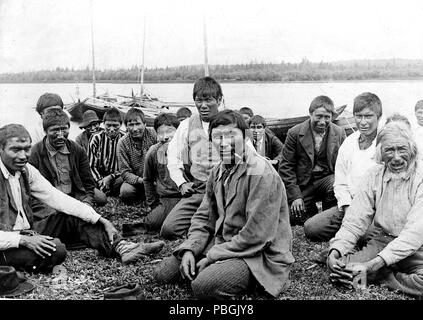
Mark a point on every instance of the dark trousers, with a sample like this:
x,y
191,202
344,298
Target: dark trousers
x,y
130,193
315,191
324,225
154,220
220,280
67,230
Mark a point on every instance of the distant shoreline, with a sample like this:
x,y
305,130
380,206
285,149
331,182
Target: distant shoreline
x,y
223,81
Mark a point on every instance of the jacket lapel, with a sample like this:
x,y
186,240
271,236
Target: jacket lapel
x,y
306,140
331,143
232,186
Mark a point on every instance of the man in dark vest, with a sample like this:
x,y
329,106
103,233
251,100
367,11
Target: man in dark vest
x,y
38,246
191,156
308,161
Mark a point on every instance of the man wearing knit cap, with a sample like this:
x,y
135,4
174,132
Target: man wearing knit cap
x,y
46,102
38,246
63,162
91,125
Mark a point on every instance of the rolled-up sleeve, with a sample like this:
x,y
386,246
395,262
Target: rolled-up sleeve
x,y
177,146
9,240
341,188
42,190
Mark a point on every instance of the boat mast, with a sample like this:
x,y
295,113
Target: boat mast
x,y
142,64
206,63
92,46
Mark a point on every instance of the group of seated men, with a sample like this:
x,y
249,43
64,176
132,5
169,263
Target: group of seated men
x,y
223,182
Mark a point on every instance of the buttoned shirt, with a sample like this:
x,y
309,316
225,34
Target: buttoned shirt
x,y
42,190
393,202
59,160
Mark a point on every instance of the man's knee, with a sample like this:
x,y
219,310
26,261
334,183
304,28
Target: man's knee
x,y
100,197
167,271
168,230
127,192
59,255
207,288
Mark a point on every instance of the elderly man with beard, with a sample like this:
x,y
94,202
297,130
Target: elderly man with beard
x,y
355,156
131,151
240,235
308,161
102,154
37,246
191,157
391,199
63,162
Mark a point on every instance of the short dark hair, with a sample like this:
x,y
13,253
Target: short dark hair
x,y
226,117
258,119
322,101
112,114
183,111
11,131
132,114
55,117
419,105
396,117
206,87
368,100
166,119
48,100
246,110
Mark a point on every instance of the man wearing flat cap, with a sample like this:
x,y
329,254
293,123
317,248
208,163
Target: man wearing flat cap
x,y
91,125
45,102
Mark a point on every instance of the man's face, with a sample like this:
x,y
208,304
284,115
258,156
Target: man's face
x,y
92,128
320,119
246,117
396,154
15,153
366,121
135,127
111,128
228,139
57,135
257,130
44,111
207,107
165,133
419,116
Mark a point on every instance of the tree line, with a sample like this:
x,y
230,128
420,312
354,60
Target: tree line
x,y
253,71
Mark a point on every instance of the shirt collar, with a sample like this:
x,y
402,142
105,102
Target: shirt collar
x,y
6,172
243,165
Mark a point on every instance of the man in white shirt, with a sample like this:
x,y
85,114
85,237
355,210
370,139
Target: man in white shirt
x,y
38,245
355,158
191,156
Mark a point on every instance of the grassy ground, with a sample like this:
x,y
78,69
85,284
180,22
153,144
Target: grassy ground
x,y
89,274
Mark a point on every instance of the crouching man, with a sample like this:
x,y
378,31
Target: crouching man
x,y
240,235
39,245
391,198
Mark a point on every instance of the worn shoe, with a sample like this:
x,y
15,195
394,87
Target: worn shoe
x,y
130,291
131,252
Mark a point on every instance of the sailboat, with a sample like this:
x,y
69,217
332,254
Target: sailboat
x,y
150,105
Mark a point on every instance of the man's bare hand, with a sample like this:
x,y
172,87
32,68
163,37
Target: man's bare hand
x,y
187,267
338,273
41,245
186,189
104,184
298,208
109,228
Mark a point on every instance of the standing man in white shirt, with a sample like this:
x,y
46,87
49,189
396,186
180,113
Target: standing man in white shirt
x,y
40,245
355,157
191,156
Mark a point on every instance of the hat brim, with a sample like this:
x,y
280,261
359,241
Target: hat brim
x,y
82,125
23,287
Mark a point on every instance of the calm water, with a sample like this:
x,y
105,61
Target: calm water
x,y
17,101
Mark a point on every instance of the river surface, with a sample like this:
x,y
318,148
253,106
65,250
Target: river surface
x,y
18,100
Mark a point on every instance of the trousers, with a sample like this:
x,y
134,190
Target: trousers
x,y
324,225
220,280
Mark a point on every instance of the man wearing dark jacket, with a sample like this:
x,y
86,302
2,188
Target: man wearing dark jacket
x,y
308,161
62,161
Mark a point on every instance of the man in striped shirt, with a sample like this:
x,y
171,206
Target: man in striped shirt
x,y
131,152
102,153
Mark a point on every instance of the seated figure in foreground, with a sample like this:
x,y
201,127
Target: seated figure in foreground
x,y
355,156
391,199
240,235
37,246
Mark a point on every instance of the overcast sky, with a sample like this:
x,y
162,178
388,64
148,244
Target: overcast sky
x,y
44,34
